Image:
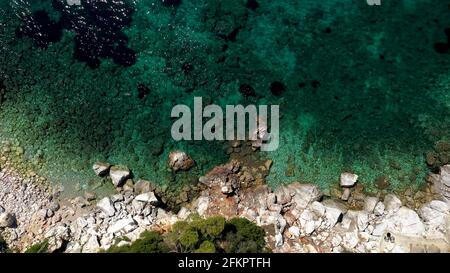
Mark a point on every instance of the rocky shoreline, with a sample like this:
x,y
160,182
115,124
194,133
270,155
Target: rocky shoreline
x,y
296,217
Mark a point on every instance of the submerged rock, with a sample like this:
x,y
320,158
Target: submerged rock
x,y
180,161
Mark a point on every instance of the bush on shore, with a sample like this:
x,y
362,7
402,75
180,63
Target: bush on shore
x,y
3,245
41,247
198,235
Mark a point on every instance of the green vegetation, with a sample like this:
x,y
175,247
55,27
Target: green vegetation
x,y
197,235
149,242
215,234
41,247
3,245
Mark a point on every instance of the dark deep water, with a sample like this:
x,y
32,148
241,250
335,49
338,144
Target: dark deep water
x,y
360,88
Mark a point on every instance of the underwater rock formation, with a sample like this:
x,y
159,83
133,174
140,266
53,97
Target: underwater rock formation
x,y
180,161
171,3
41,29
98,27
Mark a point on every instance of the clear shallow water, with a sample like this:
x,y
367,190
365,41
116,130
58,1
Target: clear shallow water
x,y
364,88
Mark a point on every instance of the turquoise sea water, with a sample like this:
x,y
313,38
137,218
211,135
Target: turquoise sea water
x,y
361,88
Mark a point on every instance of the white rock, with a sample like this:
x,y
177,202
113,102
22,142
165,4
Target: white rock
x,y
91,245
278,240
283,195
317,208
434,213
119,174
369,203
360,218
348,179
379,209
106,206
7,220
307,222
379,229
336,240
127,225
304,194
117,198
202,205
350,240
332,216
137,206
405,221
101,168
148,197
183,213
180,161
392,203
346,194
441,183
295,231
81,222
107,240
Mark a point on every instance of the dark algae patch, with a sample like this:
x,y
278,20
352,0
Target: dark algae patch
x,y
361,88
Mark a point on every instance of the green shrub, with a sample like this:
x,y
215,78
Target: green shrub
x,y
215,234
246,231
3,246
198,235
41,247
189,239
206,247
213,227
148,242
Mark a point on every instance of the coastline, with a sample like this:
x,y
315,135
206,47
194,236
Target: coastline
x,y
297,217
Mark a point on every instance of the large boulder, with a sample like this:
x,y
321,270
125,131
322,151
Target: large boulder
x,y
441,182
148,197
348,180
180,161
434,213
119,174
405,221
142,186
392,203
7,220
107,206
126,225
360,218
370,203
92,245
101,168
304,194
283,195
